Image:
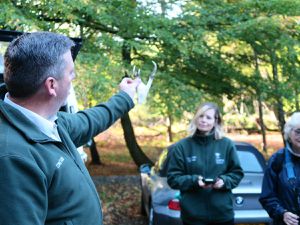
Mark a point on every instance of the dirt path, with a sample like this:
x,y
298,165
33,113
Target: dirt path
x,y
120,196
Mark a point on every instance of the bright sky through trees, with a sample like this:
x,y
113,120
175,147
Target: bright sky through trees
x,y
173,7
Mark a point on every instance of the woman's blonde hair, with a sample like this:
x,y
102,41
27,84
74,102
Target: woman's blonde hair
x,y
290,124
218,129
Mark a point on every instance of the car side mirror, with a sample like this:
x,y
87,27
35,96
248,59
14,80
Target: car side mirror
x,y
145,168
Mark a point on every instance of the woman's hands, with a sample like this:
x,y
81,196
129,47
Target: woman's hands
x,y
200,182
290,218
217,185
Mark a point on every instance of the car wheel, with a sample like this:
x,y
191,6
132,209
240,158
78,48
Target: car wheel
x,y
151,215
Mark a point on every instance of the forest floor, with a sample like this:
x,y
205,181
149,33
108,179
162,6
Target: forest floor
x,y
117,179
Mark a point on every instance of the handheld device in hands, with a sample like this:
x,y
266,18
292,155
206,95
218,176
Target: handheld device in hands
x,y
208,181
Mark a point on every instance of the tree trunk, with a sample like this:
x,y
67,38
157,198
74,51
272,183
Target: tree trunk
x,y
279,103
281,117
261,123
93,147
170,122
297,100
260,107
94,153
135,151
163,6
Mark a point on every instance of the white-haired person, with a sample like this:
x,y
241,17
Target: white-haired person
x,y
205,168
280,195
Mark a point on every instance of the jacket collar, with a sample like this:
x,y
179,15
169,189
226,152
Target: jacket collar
x,y
204,139
290,149
29,130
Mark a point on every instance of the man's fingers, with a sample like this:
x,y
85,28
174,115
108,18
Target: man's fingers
x,y
126,80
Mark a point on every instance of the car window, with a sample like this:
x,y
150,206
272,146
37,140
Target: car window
x,y
249,162
3,46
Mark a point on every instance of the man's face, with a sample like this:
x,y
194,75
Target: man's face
x,y
64,84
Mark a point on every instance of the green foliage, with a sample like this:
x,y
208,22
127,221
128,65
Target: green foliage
x,y
171,97
12,18
211,49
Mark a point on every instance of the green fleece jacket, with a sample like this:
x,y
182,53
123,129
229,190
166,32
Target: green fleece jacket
x,y
43,181
210,158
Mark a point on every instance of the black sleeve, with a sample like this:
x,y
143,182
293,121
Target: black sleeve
x,y
269,196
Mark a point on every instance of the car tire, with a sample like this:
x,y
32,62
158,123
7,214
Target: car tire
x,y
150,215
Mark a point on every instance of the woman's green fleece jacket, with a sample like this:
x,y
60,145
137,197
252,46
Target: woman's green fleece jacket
x,y
208,157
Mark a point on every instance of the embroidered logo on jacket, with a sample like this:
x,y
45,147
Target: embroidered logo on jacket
x,y
60,162
191,159
218,158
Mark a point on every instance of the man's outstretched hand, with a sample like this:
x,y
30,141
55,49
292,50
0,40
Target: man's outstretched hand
x,y
129,86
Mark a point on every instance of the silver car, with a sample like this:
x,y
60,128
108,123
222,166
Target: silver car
x,y
161,203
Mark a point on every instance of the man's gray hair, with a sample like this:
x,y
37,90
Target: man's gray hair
x,y
31,58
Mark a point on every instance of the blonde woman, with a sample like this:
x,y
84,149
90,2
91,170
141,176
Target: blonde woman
x,y
205,168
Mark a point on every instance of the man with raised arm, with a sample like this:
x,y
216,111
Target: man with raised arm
x,y
42,177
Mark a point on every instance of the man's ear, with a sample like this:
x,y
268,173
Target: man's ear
x,y
51,86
